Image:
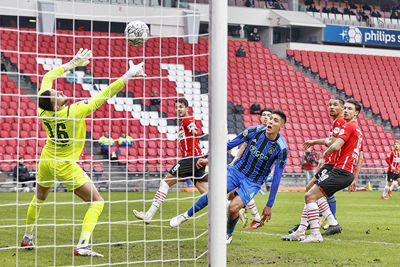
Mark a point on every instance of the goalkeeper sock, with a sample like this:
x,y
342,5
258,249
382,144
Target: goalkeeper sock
x,y
326,211
312,214
200,204
332,205
158,199
90,221
253,209
230,226
304,220
33,214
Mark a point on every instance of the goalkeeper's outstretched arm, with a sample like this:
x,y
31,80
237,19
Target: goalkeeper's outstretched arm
x,y
85,108
82,58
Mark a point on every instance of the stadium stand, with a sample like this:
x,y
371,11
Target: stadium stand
x,y
273,81
368,79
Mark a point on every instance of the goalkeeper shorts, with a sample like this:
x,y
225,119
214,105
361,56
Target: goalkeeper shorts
x,y
67,172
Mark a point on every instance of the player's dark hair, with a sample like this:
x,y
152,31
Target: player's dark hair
x,y
183,101
281,114
45,101
336,97
265,109
355,103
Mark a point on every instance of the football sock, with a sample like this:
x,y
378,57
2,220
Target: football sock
x,y
231,225
158,199
393,185
253,209
332,204
189,182
304,220
90,221
33,214
198,205
312,214
326,212
386,190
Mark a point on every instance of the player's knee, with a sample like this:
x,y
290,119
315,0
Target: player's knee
x,y
309,197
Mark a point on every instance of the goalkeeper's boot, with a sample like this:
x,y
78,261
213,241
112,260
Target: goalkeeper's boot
x,y
141,215
295,236
390,193
27,242
313,238
254,224
229,238
86,251
333,229
178,220
243,217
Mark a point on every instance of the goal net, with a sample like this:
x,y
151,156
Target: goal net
x,y
39,36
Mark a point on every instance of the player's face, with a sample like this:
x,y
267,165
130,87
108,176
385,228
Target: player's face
x,y
265,116
59,99
397,146
274,124
335,107
349,111
181,110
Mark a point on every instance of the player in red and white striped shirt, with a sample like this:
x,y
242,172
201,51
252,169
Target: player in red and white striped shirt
x,y
393,173
188,137
326,207
349,142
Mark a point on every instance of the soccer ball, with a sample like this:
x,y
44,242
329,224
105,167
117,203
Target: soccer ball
x,y
355,35
136,32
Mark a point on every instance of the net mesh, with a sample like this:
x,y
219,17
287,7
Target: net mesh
x,y
126,177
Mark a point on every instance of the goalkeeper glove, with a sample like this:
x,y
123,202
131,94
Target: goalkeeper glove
x,y
80,59
134,71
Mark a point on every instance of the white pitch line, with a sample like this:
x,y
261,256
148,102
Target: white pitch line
x,y
241,232
325,238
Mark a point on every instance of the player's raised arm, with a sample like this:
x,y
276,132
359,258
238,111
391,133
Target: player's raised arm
x,y
85,108
82,58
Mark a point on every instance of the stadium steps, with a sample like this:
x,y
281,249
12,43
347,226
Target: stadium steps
x,y
20,80
372,80
332,88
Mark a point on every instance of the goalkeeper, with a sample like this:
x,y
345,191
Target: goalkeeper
x,y
66,132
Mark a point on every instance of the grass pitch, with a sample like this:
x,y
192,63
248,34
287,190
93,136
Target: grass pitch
x,y
370,237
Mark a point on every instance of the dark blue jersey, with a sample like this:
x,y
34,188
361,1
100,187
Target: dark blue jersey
x,y
259,157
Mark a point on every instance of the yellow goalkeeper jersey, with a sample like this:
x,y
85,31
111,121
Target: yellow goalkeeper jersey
x,y
66,128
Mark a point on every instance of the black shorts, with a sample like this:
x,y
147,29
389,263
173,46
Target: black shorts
x,y
335,180
392,176
323,170
186,168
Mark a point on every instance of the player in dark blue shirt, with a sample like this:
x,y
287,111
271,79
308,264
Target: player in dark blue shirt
x,y
265,148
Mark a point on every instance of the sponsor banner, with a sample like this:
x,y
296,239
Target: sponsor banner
x,y
361,35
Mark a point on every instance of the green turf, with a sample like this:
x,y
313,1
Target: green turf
x,y
371,235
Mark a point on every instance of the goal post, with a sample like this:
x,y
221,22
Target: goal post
x,y
218,132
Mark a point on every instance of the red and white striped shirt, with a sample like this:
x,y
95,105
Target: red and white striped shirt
x,y
350,152
189,144
334,131
394,159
